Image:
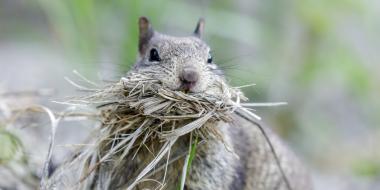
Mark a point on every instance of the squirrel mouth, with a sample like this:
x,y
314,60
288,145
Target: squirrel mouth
x,y
187,86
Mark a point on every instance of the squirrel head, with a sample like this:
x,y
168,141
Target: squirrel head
x,y
180,63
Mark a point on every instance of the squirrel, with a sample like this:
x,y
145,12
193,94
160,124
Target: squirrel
x,y
250,157
240,155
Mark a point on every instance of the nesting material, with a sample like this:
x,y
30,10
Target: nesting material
x,y
139,110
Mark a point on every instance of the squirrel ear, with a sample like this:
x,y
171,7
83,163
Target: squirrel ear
x,y
200,28
145,33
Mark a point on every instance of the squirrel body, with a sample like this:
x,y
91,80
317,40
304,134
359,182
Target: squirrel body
x,y
243,160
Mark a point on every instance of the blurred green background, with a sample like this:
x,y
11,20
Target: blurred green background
x,y
320,56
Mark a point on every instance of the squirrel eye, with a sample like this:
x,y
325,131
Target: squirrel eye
x,y
209,59
153,55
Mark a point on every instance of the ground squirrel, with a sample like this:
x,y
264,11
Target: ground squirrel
x,y
244,160
234,153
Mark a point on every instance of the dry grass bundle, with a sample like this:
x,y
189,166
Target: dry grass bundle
x,y
139,99
137,112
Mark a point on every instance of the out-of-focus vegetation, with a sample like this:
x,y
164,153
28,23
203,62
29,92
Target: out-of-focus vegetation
x,y
320,56
9,145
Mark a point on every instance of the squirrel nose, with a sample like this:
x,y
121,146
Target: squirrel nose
x,y
189,78
189,75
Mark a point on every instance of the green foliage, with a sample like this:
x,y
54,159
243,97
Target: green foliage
x,y
10,145
84,27
320,15
366,167
191,155
192,152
